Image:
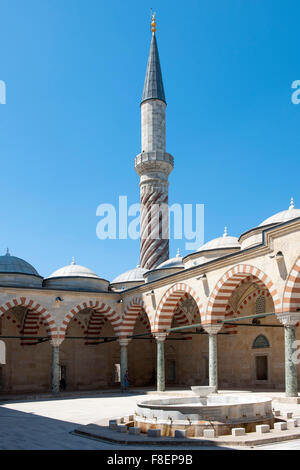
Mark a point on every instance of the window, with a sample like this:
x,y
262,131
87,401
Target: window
x,y
260,342
260,304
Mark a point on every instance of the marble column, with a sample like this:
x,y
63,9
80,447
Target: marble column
x,y
160,371
289,321
123,360
55,366
212,331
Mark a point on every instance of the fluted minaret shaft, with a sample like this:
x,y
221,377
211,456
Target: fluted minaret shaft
x,y
154,166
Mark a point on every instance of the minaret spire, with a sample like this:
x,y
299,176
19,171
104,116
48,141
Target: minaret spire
x,y
154,165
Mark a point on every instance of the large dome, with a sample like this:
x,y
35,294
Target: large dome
x,y
283,216
74,270
133,275
220,243
12,264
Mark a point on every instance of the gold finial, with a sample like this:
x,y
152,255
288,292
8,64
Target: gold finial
x,y
153,24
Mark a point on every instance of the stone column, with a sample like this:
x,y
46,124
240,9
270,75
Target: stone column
x,y
289,321
55,367
160,372
123,360
212,331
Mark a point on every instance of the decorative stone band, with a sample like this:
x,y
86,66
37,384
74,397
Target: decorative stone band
x,y
288,318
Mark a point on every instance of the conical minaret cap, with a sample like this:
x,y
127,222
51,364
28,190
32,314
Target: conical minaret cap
x,y
153,86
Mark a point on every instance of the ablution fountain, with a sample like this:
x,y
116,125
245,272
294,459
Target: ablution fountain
x,y
205,410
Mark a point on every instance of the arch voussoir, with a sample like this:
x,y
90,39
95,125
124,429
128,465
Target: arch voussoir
x,y
229,281
169,301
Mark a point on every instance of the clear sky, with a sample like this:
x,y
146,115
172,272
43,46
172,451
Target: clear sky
x,y
70,130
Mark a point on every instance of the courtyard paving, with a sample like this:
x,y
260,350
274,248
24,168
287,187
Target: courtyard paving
x,y
46,423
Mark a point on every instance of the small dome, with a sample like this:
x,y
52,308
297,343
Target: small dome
x,y
12,264
283,216
223,242
74,270
172,262
133,275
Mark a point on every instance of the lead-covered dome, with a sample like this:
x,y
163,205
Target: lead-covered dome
x,y
283,216
175,262
254,236
75,276
213,249
132,278
220,243
16,271
170,266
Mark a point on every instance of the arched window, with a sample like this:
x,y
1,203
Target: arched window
x,y
260,304
260,342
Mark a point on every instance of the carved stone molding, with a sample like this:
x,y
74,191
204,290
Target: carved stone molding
x,y
288,318
160,337
213,329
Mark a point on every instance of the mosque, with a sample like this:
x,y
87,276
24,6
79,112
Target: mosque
x,y
226,314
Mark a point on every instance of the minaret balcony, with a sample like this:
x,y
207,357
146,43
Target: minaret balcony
x,y
154,161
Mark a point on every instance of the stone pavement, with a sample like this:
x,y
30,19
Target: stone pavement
x,y
46,423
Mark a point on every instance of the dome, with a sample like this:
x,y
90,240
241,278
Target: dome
x,y
171,266
12,264
133,275
76,277
221,243
73,270
283,216
172,262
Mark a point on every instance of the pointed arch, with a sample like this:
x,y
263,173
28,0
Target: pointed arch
x,y
98,307
291,295
169,303
35,313
135,308
224,288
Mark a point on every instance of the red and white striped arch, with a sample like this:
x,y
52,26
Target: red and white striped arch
x,y
291,296
229,282
98,307
233,329
135,308
168,305
35,313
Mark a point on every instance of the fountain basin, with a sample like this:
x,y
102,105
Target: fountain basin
x,y
194,414
203,391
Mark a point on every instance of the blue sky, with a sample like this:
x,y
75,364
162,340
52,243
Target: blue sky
x,y
70,130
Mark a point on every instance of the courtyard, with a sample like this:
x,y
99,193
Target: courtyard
x,y
44,423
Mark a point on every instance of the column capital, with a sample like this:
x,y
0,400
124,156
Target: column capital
x,y
213,329
288,318
160,337
124,341
56,342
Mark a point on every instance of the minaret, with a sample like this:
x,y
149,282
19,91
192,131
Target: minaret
x,y
154,165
